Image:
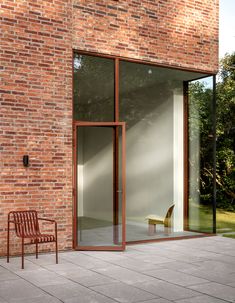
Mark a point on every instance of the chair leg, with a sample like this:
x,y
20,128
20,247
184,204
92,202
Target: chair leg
x,y
167,230
56,244
36,248
152,229
22,256
56,251
8,241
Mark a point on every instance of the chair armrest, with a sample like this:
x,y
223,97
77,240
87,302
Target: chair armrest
x,y
49,220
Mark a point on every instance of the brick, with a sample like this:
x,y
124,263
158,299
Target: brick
x,y
37,38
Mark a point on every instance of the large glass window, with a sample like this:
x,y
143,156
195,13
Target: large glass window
x,y
201,157
146,105
152,105
151,101
93,88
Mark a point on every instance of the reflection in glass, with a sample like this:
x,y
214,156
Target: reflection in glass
x,y
93,88
200,130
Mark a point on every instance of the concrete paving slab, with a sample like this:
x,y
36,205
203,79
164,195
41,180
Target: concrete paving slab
x,y
41,299
201,299
41,277
44,259
214,271
83,260
105,255
186,271
66,269
176,277
92,279
18,289
217,290
180,266
90,298
134,264
6,275
231,284
122,274
166,290
67,291
157,301
15,264
123,293
153,258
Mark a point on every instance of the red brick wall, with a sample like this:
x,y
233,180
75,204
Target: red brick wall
x,y
36,111
181,33
37,37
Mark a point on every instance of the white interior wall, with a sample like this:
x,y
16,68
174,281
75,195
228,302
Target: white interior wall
x,y
80,180
149,167
178,128
97,170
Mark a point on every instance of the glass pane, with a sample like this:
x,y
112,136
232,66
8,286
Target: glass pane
x,y
119,178
152,105
200,130
98,223
146,105
93,88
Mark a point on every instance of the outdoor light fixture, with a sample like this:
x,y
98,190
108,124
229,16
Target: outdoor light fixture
x,y
26,160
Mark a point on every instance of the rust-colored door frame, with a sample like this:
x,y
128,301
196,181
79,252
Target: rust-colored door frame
x,y
115,126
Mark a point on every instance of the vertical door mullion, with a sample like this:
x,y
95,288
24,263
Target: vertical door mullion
x,y
75,189
116,91
186,157
123,128
116,185
214,151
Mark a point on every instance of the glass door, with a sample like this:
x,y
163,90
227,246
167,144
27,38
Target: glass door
x,y
99,179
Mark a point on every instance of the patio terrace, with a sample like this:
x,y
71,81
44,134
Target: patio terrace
x,y
198,270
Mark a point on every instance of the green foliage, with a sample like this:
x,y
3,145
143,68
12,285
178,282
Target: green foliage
x,y
200,126
232,236
201,139
226,133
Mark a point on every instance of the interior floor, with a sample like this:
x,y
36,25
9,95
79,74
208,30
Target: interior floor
x,y
94,232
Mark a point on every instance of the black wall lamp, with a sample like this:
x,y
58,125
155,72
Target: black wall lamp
x,y
26,160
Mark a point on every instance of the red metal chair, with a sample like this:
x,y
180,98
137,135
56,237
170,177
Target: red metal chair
x,y
27,227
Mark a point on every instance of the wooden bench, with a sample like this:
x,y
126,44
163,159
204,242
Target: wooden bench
x,y
27,227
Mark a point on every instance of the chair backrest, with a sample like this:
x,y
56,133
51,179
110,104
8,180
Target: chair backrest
x,y
28,220
169,214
